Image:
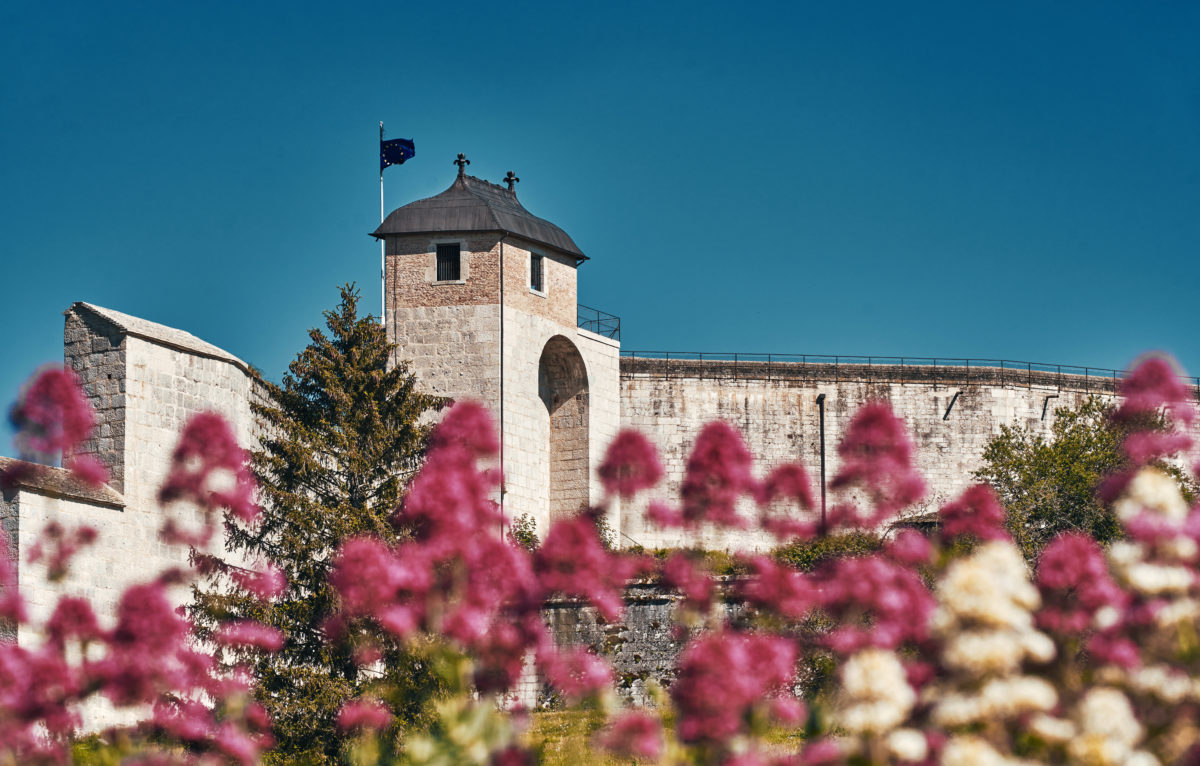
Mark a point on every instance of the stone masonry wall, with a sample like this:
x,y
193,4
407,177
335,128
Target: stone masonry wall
x,y
96,351
557,301
10,526
642,647
951,415
527,422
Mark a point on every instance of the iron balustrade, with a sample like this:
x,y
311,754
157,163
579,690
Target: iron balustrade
x,y
880,369
599,322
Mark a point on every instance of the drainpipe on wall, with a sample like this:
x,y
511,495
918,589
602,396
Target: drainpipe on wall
x,y
821,407
503,480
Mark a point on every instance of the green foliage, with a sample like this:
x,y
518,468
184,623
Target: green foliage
x,y
343,436
608,535
1048,485
523,532
807,555
564,738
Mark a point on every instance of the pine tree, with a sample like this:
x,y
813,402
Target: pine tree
x,y
343,434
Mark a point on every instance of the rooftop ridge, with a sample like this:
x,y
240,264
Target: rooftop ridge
x,y
53,481
160,334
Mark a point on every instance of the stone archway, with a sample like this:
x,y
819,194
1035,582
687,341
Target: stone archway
x,y
563,388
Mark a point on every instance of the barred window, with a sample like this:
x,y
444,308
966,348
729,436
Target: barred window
x,y
448,257
535,273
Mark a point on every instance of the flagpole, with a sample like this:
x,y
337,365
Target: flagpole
x,y
382,256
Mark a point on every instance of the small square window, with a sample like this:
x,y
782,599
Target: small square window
x,y
448,257
535,274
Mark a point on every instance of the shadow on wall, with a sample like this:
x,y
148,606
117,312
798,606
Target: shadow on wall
x,y
563,388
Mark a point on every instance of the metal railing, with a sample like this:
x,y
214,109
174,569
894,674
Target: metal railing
x,y
599,322
881,369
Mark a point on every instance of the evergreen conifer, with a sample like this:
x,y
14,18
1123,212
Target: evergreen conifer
x,y
342,435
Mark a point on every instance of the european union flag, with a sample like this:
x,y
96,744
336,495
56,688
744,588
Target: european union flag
x,y
395,152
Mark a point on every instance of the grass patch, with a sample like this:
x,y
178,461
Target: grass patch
x,y
565,738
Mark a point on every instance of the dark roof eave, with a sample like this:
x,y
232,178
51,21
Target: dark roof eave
x,y
579,257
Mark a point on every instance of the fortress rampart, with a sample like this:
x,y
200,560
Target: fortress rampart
x,y
952,408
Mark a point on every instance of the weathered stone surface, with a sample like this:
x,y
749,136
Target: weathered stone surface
x,y
951,413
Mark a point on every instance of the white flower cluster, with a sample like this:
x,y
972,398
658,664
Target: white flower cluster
x,y
876,697
985,613
1161,681
1165,569
1154,491
1150,578
997,699
1107,731
985,616
1103,731
969,750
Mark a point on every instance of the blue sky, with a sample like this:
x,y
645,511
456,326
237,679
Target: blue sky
x,y
1013,180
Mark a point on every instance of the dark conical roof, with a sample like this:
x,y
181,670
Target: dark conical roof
x,y
472,204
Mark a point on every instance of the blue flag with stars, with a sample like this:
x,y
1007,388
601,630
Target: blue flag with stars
x,y
395,152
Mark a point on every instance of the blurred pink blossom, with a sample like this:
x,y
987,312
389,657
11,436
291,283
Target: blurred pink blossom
x,y
633,735
716,477
877,457
53,414
630,465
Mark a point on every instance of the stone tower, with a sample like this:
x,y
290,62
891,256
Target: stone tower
x,y
481,301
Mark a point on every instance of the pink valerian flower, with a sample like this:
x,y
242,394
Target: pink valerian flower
x,y
448,504
1074,580
779,589
877,457
148,650
58,545
718,474
690,578
265,583
787,710
1145,447
513,755
373,581
88,469
500,577
633,735
12,605
977,513
1113,647
456,577
721,676
662,515
186,720
53,414
574,561
500,655
575,672
630,465
248,634
909,548
1153,384
73,618
789,482
892,597
364,714
37,688
786,483
822,752
467,426
208,468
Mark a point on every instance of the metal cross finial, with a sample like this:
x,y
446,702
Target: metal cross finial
x,y
511,179
462,163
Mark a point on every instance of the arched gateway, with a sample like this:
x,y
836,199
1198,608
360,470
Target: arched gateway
x,y
563,388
